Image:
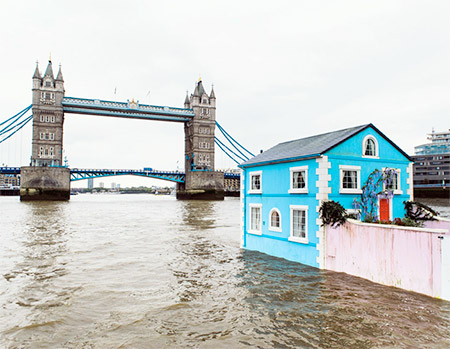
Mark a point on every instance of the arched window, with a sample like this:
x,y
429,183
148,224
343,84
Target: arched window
x,y
275,220
370,147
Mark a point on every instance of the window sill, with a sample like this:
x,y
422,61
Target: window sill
x,y
255,192
370,157
298,240
254,232
398,192
298,191
278,230
350,191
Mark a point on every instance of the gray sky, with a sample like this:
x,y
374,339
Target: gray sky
x,y
281,70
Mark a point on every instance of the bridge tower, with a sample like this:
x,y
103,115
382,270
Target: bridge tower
x,y
201,181
46,178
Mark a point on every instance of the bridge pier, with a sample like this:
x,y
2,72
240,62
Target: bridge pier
x,y
44,183
201,185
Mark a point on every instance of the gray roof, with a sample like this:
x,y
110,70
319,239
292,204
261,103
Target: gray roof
x,y
59,77
49,70
305,147
36,74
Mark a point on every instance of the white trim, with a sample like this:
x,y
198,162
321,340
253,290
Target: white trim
x,y
249,230
322,190
409,181
271,228
242,223
250,175
399,190
354,211
393,226
356,190
377,154
294,238
298,190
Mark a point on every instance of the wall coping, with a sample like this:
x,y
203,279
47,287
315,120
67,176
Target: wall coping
x,y
442,219
391,226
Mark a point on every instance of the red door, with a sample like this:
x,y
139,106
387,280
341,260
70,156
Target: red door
x,y
384,209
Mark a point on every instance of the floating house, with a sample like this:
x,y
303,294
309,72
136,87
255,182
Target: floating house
x,y
283,188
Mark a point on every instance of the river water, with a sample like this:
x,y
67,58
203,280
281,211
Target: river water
x,y
143,271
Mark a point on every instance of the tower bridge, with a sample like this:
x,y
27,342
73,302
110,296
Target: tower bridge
x,y
47,178
77,174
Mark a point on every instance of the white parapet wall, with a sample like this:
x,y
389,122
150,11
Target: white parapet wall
x,y
415,259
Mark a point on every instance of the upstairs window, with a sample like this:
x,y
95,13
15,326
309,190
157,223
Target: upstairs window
x,y
299,180
370,147
394,185
350,179
255,182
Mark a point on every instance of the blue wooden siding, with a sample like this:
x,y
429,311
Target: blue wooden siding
x,y
350,153
275,189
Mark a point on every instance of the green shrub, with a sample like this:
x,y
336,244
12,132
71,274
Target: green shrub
x,y
333,213
419,212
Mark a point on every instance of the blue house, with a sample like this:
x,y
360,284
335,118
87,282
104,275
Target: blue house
x,y
283,188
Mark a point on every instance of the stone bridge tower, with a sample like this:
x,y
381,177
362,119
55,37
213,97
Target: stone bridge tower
x,y
46,178
202,182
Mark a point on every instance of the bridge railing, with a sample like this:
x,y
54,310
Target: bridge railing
x,y
122,106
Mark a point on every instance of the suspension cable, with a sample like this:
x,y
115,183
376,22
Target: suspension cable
x,y
13,127
27,121
215,140
240,157
226,134
21,113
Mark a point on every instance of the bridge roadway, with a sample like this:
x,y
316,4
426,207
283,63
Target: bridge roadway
x,y
77,174
132,109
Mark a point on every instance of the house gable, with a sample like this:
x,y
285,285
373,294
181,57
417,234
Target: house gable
x,y
353,146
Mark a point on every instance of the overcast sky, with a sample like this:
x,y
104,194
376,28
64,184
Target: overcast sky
x,y
281,70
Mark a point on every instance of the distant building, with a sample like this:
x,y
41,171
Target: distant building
x,y
10,180
113,185
432,162
231,185
101,185
90,183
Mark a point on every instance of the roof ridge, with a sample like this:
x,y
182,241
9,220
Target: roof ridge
x,y
323,134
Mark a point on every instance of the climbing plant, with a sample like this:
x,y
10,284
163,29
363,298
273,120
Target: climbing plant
x,y
374,189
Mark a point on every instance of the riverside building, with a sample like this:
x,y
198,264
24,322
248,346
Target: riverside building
x,y
432,166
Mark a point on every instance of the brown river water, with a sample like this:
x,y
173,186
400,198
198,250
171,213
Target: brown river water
x,y
144,271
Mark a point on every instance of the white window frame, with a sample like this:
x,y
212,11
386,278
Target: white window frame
x,y
354,211
250,176
399,190
295,238
272,228
298,190
250,230
377,154
356,190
